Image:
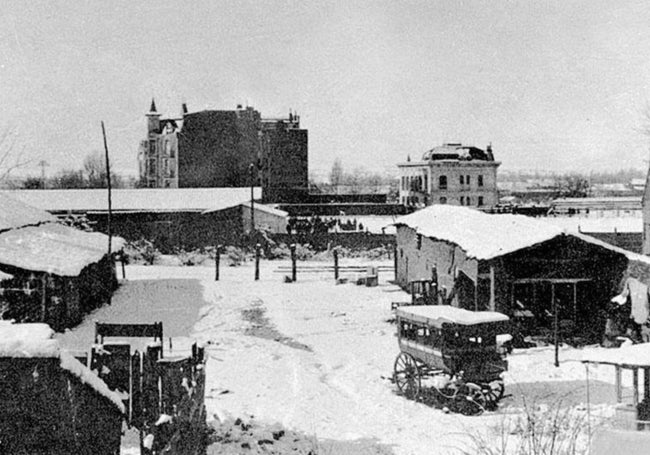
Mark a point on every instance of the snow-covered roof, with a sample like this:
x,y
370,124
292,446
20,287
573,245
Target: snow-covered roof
x,y
261,207
637,355
436,315
134,200
54,248
480,235
36,340
15,214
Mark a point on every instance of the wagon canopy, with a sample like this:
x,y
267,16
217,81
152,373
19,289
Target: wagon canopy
x,y
436,315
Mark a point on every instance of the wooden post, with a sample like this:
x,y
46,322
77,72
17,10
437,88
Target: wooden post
x,y
123,267
492,290
217,260
635,386
44,298
395,259
292,247
556,337
257,261
646,383
617,383
336,263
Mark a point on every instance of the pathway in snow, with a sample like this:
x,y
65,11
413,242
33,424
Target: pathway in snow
x,y
317,357
173,295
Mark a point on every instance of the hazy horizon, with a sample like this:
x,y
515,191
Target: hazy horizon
x,y
554,86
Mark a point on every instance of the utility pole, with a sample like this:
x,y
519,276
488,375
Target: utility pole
x,y
42,164
108,182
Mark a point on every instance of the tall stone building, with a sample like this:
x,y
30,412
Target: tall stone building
x,y
218,148
284,161
450,174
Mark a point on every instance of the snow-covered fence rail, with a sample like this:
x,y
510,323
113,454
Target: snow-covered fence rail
x,y
371,272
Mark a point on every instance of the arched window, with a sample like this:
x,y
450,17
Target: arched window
x,y
442,182
462,180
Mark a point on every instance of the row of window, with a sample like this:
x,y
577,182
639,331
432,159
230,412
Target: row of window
x,y
464,200
420,183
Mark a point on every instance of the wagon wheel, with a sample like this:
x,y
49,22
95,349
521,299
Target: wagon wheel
x,y
496,390
407,375
471,400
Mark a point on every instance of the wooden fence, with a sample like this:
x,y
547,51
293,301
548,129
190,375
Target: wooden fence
x,y
165,395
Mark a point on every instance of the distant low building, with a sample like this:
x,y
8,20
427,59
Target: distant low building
x,y
450,174
597,206
181,218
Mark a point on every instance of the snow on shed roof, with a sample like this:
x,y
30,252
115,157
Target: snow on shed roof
x,y
480,235
261,207
36,340
54,248
15,214
437,315
134,200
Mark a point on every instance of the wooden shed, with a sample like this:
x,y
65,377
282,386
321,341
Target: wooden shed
x,y
51,403
530,270
51,272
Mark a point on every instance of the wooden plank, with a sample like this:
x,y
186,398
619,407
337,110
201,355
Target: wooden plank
x,y
154,330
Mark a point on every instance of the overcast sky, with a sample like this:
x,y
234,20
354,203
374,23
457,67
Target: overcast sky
x,y
553,85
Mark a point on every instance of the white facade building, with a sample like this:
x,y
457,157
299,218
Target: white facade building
x,y
450,174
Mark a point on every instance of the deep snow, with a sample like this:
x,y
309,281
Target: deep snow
x,y
318,357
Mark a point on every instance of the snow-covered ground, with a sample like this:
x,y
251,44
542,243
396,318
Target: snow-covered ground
x,y
317,357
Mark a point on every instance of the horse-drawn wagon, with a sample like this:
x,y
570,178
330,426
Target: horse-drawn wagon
x,y
454,354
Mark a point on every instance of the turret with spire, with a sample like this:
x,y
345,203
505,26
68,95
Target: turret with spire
x,y
153,118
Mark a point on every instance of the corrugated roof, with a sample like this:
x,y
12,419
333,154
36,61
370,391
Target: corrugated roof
x,y
134,200
480,235
54,248
15,214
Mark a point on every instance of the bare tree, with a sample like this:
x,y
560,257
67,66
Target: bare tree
x,y
336,174
95,170
10,158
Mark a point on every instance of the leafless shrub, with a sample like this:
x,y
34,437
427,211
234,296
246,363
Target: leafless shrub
x,y
539,430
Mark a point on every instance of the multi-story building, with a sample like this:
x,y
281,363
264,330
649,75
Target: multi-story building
x,y
450,174
158,153
218,148
283,165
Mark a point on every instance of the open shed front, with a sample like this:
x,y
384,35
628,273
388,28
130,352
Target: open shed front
x,y
564,282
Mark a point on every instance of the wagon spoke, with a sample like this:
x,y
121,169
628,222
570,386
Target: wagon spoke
x,y
407,375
